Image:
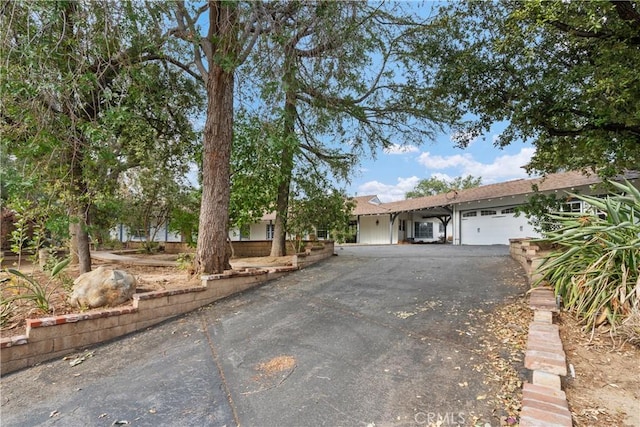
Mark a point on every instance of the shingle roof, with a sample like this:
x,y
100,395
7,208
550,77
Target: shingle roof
x,y
369,205
551,182
556,181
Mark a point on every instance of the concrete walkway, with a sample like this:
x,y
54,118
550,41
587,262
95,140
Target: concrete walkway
x,y
128,259
373,337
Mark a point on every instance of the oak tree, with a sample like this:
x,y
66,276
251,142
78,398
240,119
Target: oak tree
x,y
433,186
562,74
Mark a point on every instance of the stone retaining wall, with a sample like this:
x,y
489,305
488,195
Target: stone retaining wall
x,y
51,337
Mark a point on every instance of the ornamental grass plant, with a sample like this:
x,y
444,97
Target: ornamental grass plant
x,y
595,267
17,286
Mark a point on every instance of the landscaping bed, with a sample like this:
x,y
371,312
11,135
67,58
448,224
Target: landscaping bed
x,y
149,278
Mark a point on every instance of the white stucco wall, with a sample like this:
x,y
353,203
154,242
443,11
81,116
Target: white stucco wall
x,y
373,233
123,234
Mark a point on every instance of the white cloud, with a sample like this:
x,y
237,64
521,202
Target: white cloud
x,y
389,193
444,162
401,149
503,168
442,176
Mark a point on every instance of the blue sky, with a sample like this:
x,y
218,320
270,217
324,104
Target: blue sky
x,y
397,171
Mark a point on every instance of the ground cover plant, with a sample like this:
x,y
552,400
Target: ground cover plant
x,y
595,268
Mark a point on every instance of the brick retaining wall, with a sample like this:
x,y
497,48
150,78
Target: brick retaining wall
x,y
544,403
241,249
529,254
51,337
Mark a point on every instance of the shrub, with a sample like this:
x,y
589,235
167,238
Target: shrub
x,y
595,269
6,313
185,261
629,330
23,287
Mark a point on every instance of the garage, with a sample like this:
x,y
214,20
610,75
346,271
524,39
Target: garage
x,y
493,226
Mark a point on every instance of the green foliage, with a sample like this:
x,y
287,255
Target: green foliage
x,y
335,103
433,186
30,228
596,270
148,199
185,214
26,287
538,208
313,206
185,261
6,313
19,237
51,261
562,74
85,96
150,246
254,168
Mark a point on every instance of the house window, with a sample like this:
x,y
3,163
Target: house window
x,y
488,212
423,230
469,214
270,230
138,234
571,207
402,225
441,228
322,232
508,211
595,211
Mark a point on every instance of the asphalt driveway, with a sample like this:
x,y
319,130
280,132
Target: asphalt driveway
x,y
375,336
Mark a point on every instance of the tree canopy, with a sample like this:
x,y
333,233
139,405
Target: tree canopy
x,y
340,80
84,98
433,186
563,74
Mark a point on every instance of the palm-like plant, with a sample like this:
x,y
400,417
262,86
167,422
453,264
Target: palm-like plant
x,y
26,287
596,267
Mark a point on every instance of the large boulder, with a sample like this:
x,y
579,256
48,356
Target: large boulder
x,y
102,287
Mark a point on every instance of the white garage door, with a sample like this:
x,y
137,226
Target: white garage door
x,y
493,226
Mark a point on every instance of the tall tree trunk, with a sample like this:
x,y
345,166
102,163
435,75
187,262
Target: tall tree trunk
x,y
212,255
79,243
278,246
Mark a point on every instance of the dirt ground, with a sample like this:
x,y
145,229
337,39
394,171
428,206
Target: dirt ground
x,y
603,386
605,390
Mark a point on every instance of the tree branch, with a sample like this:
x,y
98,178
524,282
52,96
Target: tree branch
x,y
187,33
609,127
170,60
627,12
